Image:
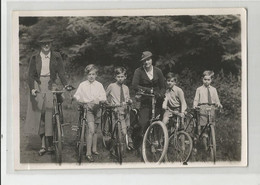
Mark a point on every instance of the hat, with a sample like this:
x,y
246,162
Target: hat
x,y
145,55
45,38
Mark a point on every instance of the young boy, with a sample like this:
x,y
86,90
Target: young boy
x,y
91,92
118,94
204,97
174,98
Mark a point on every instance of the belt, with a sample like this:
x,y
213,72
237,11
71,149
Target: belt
x,y
45,76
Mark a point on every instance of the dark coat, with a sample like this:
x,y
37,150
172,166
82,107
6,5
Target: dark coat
x,y
56,68
142,81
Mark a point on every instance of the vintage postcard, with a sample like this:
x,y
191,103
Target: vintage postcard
x,y
144,88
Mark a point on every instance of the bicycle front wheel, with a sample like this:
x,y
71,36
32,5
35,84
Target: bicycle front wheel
x,y
180,147
58,140
82,141
106,133
155,143
212,144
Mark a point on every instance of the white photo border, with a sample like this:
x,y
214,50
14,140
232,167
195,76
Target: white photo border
x,y
124,12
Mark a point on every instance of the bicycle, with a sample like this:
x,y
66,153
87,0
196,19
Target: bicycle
x,y
155,140
57,122
81,131
209,129
180,143
113,135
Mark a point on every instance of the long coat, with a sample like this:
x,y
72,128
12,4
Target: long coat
x,y
35,104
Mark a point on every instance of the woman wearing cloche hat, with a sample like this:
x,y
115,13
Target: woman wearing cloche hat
x,y
148,78
44,66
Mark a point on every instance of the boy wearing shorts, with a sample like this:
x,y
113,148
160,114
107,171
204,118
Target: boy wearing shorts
x,y
206,96
174,98
91,92
118,94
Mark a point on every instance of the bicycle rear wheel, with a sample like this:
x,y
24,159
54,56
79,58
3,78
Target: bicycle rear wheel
x,y
119,143
212,144
155,143
58,140
180,147
82,141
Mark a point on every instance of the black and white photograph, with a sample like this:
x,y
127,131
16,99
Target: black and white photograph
x,y
130,88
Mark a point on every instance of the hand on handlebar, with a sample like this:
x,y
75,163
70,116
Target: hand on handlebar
x,y
69,87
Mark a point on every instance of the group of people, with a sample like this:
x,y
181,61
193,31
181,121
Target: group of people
x,y
46,65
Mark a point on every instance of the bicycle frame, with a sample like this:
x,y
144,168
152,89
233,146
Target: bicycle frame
x,y
207,126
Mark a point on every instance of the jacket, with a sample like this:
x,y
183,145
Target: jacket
x,y
56,67
141,81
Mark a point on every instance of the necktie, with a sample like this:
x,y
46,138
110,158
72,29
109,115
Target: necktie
x,y
209,96
122,97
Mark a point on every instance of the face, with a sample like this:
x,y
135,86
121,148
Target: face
x,y
147,62
170,82
92,76
120,78
206,80
46,46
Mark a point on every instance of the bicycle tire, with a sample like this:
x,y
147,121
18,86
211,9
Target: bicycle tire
x,y
212,144
82,141
58,141
176,152
119,143
106,134
155,143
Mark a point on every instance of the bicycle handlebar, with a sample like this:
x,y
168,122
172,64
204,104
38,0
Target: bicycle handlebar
x,y
145,94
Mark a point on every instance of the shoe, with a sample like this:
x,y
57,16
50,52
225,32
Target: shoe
x,y
50,149
113,153
95,153
42,151
89,158
131,146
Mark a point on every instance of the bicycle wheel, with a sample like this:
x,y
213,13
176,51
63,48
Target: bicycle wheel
x,y
82,141
58,141
180,147
119,142
106,133
155,143
212,143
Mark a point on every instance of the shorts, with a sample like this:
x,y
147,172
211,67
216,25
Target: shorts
x,y
94,113
203,115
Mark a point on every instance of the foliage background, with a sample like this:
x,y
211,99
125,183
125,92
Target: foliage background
x,y
186,45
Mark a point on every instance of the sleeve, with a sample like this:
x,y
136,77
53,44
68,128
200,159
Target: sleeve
x,y
161,83
182,100
102,93
108,92
61,70
31,73
136,82
78,93
165,102
127,94
216,96
196,99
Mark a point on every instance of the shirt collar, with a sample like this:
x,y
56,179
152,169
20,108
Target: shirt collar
x,y
207,87
45,56
173,88
149,71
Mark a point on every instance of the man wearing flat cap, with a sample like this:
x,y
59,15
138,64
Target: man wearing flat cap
x,y
149,79
44,66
